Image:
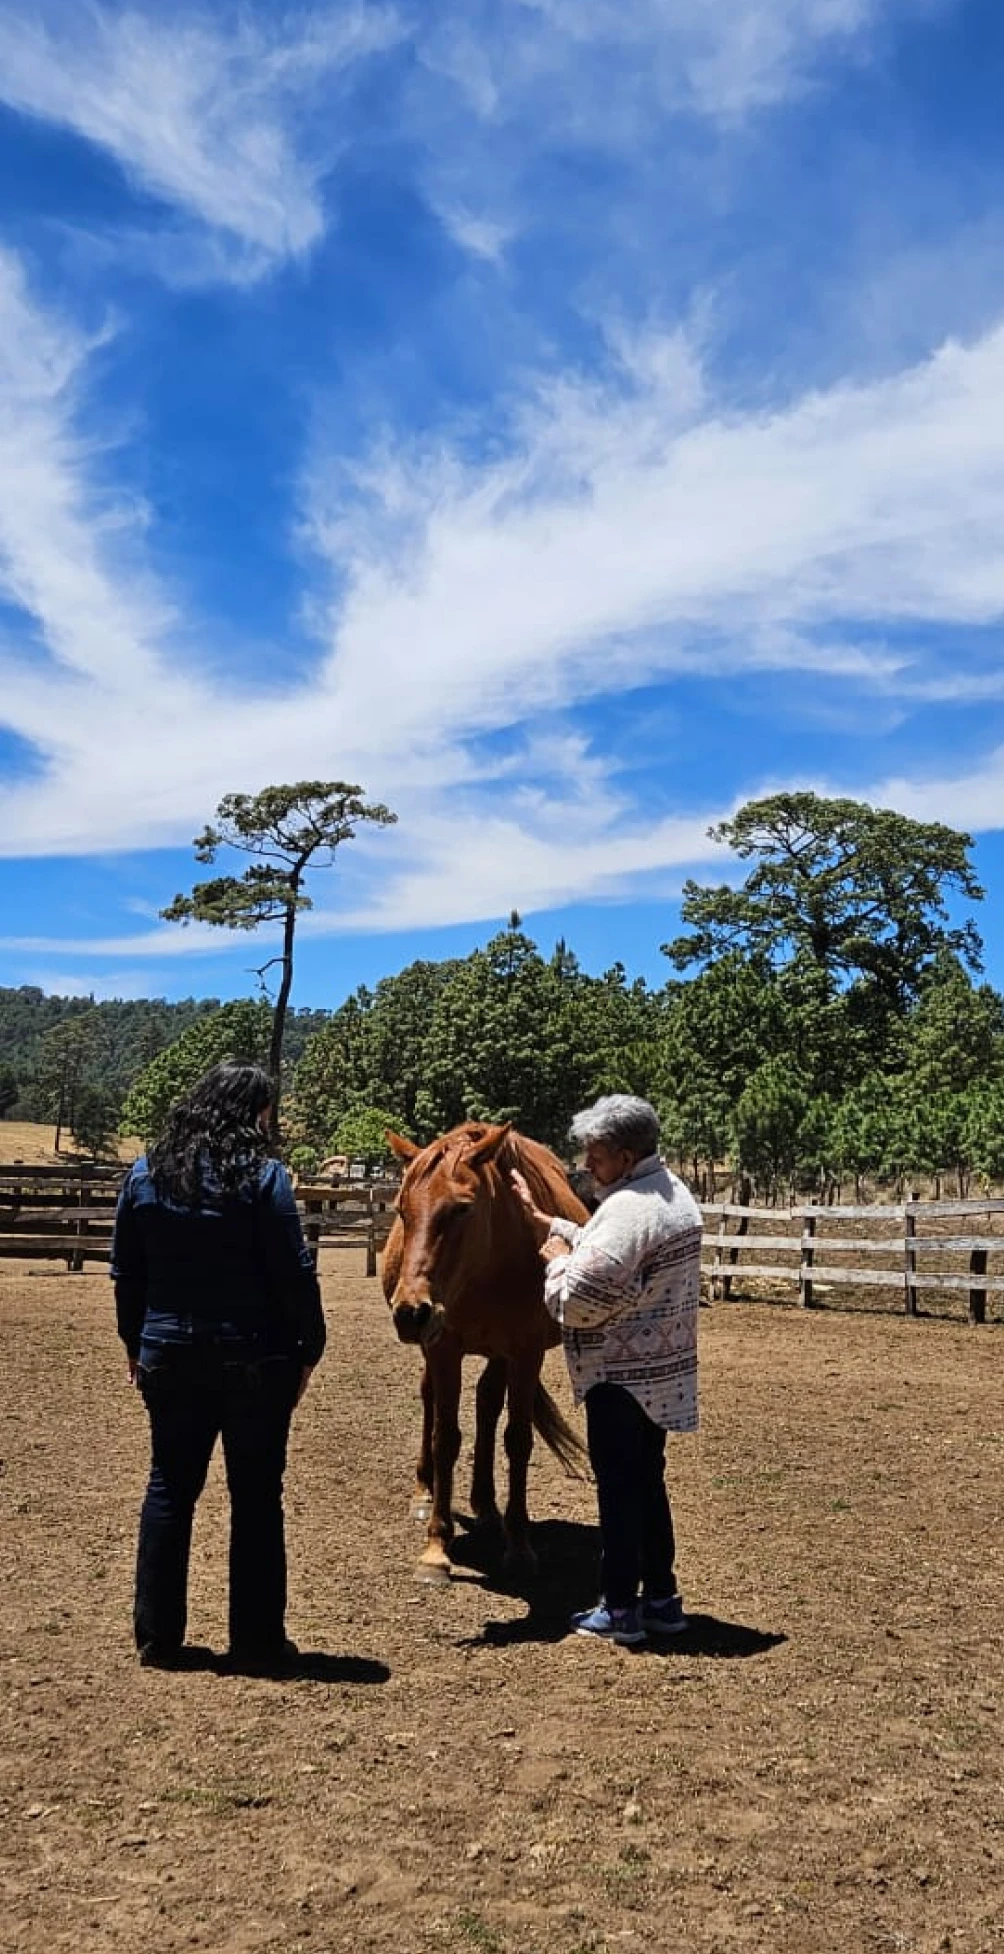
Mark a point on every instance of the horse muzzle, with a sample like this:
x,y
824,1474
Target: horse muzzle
x,y
420,1323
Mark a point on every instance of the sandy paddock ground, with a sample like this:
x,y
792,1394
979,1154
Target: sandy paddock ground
x,y
817,1765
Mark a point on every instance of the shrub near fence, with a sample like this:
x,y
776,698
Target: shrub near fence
x,y
927,1241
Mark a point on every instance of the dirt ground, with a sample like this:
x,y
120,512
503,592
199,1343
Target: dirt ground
x,y
816,1766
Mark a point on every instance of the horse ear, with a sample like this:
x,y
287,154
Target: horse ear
x,y
485,1150
405,1149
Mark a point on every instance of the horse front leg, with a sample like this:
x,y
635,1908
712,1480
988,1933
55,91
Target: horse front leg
x,y
422,1504
489,1399
523,1372
443,1360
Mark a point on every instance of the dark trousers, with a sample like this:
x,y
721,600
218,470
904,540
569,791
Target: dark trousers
x,y
196,1393
627,1452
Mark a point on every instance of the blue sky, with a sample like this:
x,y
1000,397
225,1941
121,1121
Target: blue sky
x,y
567,418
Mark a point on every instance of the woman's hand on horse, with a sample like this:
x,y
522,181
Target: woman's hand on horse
x,y
539,1222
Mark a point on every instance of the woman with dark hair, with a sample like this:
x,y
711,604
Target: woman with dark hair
x,y
220,1312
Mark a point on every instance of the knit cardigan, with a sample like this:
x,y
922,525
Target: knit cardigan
x,y
626,1295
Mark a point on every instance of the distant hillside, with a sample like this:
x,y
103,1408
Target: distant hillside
x,y
130,1032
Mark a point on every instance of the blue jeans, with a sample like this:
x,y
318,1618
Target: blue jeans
x,y
627,1452
196,1392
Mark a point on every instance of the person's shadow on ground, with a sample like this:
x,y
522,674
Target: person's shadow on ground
x,y
316,1666
566,1579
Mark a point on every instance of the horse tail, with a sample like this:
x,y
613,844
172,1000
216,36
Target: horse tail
x,y
557,1433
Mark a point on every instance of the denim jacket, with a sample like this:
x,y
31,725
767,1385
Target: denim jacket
x,y
235,1268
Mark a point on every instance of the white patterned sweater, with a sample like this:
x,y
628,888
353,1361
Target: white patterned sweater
x,y
626,1295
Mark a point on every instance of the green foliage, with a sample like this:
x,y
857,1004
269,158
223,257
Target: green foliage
x,y
770,1118
132,1032
95,1118
985,1131
10,1089
832,1030
858,892
304,1162
956,1033
502,1034
69,1057
238,1031
285,829
718,1027
361,1133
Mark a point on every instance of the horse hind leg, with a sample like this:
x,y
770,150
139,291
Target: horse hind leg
x,y
489,1398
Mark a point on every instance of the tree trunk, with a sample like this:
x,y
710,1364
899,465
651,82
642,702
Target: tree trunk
x,y
279,1018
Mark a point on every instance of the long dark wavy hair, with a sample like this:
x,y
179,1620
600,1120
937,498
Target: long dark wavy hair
x,y
212,1138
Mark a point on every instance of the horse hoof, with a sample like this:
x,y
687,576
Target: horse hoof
x,y
433,1573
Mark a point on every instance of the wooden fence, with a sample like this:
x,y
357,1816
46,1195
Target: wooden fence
x,y
352,1214
926,1240
62,1212
66,1212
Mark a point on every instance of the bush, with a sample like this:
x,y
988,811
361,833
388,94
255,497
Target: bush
x,y
239,1031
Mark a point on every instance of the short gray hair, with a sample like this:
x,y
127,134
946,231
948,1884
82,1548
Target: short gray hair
x,y
621,1121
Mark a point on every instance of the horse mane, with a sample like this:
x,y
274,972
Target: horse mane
x,y
542,1169
543,1172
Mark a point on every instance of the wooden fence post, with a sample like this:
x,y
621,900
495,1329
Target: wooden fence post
x,y
742,1228
312,1211
806,1261
371,1227
719,1283
978,1297
910,1262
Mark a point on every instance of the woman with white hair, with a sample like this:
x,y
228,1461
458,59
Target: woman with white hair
x,y
625,1289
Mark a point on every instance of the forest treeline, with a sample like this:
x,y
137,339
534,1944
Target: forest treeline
x,y
823,1022
72,1060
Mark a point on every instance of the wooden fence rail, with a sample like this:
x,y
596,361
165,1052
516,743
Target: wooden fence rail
x,y
913,1235
66,1213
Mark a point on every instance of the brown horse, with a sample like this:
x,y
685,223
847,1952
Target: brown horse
x,y
463,1277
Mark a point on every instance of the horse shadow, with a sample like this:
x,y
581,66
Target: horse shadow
x,y
566,1579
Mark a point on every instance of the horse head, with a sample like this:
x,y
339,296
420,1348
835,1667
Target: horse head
x,y
443,1185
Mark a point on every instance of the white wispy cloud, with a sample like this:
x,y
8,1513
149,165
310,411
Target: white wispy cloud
x,y
628,532
972,798
719,57
602,61
202,109
500,87
233,117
